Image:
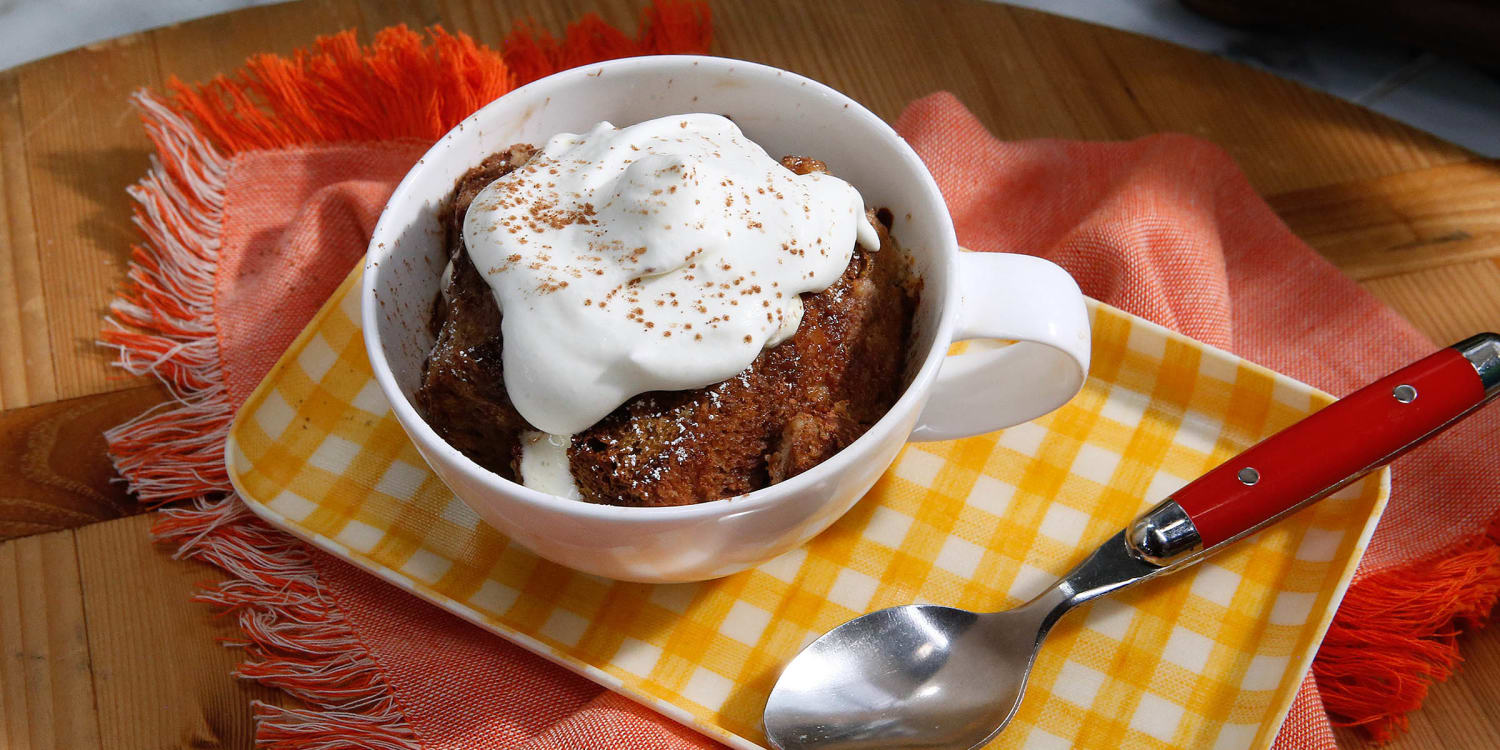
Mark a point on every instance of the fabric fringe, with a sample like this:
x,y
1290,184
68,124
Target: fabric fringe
x,y
163,323
295,637
1396,633
400,86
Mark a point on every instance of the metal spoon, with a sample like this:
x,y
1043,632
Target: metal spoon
x,y
931,676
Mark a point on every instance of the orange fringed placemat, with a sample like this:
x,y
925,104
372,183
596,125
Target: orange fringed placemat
x,y
260,203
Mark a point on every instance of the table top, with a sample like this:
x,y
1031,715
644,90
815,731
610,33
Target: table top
x,y
99,643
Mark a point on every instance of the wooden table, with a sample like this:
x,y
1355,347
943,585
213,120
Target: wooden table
x,y
99,645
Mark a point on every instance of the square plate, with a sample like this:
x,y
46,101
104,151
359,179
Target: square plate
x,y
1211,657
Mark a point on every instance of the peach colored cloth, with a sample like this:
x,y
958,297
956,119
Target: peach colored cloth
x,y
1165,227
1168,228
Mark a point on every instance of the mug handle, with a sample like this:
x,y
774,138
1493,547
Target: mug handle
x,y
1032,302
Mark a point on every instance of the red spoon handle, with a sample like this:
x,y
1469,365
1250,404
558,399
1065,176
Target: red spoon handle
x,y
1337,444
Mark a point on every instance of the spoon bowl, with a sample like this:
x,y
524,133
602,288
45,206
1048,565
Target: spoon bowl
x,y
929,676
914,676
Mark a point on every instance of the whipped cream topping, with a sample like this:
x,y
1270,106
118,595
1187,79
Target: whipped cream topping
x,y
660,256
544,464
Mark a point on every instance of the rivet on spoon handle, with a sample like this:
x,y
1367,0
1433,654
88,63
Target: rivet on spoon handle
x,y
1322,453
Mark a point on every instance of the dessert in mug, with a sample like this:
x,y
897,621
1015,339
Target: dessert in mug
x,y
662,314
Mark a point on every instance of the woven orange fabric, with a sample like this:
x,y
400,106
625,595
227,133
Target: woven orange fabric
x,y
257,211
1168,228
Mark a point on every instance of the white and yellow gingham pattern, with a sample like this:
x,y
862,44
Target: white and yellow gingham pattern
x,y
1209,658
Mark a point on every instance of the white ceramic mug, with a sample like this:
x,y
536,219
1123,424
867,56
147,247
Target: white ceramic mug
x,y
965,296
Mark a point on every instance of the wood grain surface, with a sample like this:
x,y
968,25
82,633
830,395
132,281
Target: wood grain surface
x,y
53,470
100,646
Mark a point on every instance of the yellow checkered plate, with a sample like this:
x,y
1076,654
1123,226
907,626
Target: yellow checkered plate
x,y
1209,658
